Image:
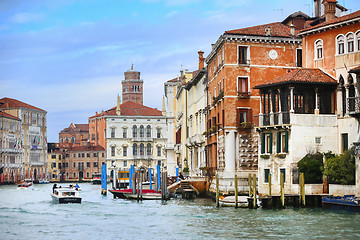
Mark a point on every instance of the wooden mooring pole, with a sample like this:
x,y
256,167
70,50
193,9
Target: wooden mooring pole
x,y
236,192
217,190
282,190
254,191
302,190
270,184
249,181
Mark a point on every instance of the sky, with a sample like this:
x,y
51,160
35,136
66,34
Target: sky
x,y
68,57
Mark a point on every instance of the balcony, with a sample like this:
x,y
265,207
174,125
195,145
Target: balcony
x,y
353,104
142,139
278,118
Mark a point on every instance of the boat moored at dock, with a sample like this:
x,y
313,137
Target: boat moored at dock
x,y
347,202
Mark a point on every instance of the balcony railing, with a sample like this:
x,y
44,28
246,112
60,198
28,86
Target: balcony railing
x,y
277,118
353,105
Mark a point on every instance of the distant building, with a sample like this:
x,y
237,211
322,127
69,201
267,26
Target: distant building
x,y
33,136
132,87
74,135
81,162
11,151
55,164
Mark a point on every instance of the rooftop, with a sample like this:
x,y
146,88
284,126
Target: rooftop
x,y
13,103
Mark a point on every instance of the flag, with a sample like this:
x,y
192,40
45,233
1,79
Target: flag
x,y
15,144
18,144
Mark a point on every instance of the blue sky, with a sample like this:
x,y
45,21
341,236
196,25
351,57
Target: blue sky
x,y
68,57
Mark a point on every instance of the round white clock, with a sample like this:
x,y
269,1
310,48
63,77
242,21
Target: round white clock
x,y
273,54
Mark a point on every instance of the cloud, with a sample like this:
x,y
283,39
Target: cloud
x,y
27,17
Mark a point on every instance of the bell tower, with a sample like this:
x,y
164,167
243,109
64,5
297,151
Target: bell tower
x,y
132,86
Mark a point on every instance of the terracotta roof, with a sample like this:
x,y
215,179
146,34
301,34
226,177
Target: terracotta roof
x,y
334,21
131,109
174,80
4,114
277,30
86,148
355,70
303,75
13,103
76,128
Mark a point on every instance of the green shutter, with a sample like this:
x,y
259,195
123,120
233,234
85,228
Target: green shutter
x,y
267,171
286,141
262,143
278,142
271,142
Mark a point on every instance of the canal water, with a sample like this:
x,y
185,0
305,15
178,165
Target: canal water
x,y
30,214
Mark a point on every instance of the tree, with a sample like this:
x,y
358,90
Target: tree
x,y
340,169
312,166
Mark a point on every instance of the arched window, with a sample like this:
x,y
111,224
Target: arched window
x,y
72,139
319,49
350,42
340,43
134,131
358,40
148,131
141,131
142,149
61,140
351,94
66,139
135,149
148,149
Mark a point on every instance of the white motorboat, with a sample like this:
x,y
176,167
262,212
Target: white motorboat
x,y
65,195
229,201
25,185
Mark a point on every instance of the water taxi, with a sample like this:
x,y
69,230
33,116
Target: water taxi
x,y
96,178
65,195
25,185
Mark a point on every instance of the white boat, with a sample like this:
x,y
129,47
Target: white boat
x,y
65,195
43,181
96,178
229,201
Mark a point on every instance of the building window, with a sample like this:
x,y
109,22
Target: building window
x,y
266,143
125,163
112,132
113,151
358,40
53,156
66,139
135,149
141,131
142,149
243,85
87,164
74,175
243,55
148,149
344,142
53,165
158,132
299,57
95,154
134,131
282,140
319,49
283,171
87,174
95,164
148,131
124,151
93,136
124,132
73,139
340,43
87,155
159,151
79,155
350,42
267,174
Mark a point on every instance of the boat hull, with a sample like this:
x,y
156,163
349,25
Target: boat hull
x,y
347,203
65,200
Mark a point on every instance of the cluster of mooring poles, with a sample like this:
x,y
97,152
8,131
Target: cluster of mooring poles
x,y
268,201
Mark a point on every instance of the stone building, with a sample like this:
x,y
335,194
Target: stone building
x,y
11,151
135,135
74,135
55,164
33,136
81,162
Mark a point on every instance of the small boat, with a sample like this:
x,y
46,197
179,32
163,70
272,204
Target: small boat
x,y
229,201
123,193
25,185
96,178
65,195
43,181
145,196
347,202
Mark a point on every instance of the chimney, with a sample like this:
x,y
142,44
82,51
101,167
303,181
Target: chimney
x,y
201,60
268,31
292,29
330,9
317,4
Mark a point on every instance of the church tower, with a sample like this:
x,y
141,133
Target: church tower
x,y
132,87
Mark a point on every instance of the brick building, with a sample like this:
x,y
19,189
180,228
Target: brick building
x,y
132,87
74,135
240,60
